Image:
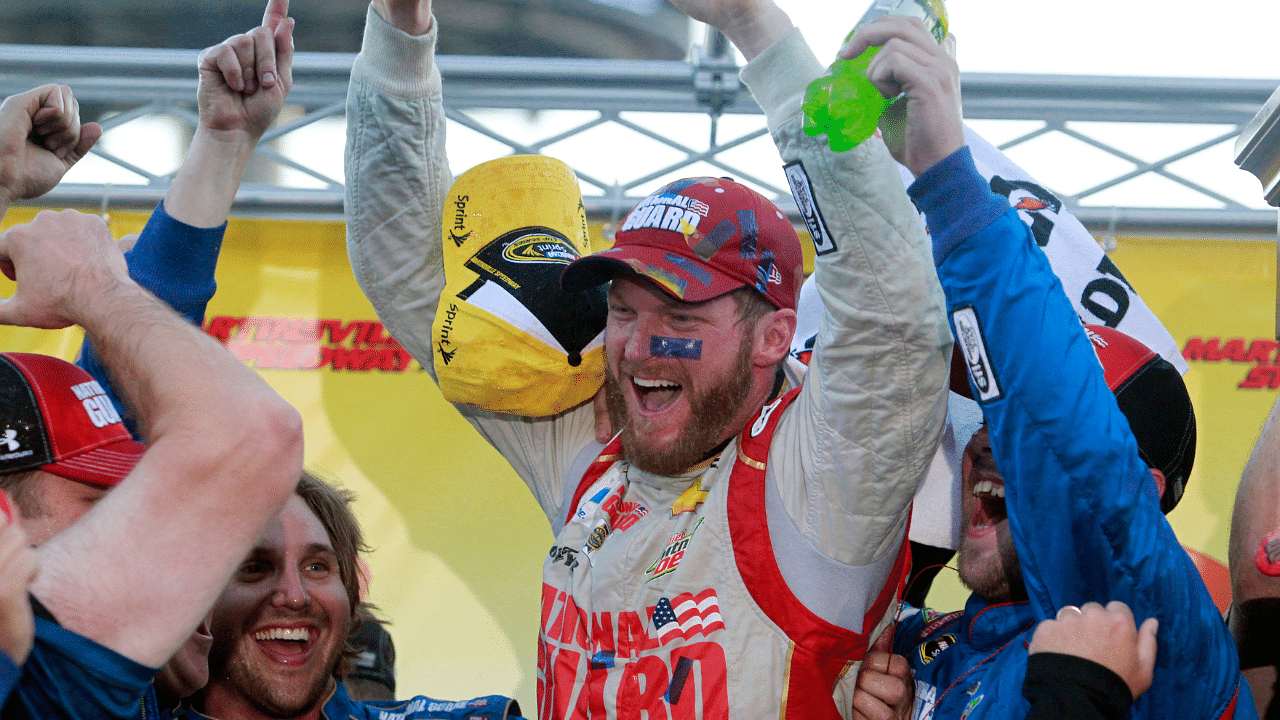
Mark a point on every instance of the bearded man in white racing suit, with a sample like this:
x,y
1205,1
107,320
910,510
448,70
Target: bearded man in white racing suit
x,y
734,551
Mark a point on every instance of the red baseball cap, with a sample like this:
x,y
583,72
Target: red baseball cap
x,y
55,417
698,239
1153,397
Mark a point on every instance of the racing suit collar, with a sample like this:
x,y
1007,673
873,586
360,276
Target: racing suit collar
x,y
987,627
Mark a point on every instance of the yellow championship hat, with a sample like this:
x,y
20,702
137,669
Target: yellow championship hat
x,y
508,338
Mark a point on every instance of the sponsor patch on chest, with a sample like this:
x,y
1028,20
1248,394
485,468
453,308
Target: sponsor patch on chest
x,y
690,499
937,620
933,648
672,554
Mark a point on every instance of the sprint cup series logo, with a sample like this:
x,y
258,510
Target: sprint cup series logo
x,y
525,264
539,247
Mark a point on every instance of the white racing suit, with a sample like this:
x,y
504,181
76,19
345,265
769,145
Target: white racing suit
x,y
750,585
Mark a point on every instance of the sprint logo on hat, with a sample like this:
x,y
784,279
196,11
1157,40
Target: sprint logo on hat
x,y
507,338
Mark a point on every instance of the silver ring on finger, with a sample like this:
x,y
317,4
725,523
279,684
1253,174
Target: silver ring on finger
x,y
1068,608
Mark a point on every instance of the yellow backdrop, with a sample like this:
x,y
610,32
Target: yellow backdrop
x,y
458,542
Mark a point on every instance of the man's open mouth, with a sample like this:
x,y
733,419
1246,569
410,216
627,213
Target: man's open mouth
x,y
288,645
989,508
655,395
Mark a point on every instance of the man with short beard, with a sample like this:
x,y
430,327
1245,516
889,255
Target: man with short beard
x,y
732,551
281,626
1089,438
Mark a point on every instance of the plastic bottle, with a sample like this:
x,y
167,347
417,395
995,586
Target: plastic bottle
x,y
843,104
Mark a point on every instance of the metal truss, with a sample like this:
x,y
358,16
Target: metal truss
x,y
123,85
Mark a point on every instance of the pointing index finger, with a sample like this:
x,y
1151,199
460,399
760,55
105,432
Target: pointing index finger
x,y
276,12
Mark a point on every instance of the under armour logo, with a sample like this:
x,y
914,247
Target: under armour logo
x,y
10,440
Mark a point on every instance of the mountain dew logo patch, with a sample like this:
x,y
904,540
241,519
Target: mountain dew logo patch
x,y
974,700
673,554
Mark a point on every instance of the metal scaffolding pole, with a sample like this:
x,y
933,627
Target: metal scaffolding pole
x,y
127,83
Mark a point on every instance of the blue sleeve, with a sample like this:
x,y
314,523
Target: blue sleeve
x,y
1083,509
9,674
69,677
175,262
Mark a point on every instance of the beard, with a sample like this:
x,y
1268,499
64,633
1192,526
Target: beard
x,y
998,582
713,411
229,668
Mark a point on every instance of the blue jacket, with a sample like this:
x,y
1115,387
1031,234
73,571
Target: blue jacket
x,y
340,706
1083,510
69,677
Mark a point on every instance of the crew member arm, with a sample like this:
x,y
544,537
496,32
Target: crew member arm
x,y
175,262
225,450
244,81
863,431
1066,687
397,179
1082,506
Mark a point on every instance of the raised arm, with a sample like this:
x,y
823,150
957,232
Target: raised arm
x,y
41,137
859,452
244,81
396,169
1083,510
139,571
397,179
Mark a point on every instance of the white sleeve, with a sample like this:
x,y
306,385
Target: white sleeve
x,y
851,450
397,177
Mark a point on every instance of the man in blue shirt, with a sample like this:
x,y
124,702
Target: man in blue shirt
x,y
281,626
1062,504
